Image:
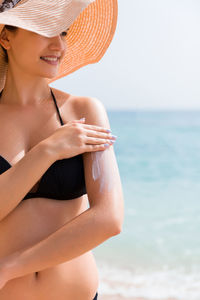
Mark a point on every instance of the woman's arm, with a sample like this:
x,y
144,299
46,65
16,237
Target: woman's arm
x,y
92,227
16,182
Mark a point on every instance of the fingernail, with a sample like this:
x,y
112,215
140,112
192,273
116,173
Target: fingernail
x,y
82,119
112,141
106,145
108,130
113,136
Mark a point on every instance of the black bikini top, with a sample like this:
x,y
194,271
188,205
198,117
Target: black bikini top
x,y
63,180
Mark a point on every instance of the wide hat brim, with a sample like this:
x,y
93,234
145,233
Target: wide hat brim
x,y
92,26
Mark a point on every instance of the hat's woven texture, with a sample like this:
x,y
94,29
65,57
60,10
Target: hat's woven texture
x,y
92,27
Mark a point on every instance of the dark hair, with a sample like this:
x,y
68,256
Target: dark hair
x,y
13,29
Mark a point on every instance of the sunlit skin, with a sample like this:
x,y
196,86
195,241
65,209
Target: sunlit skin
x,y
27,117
26,71
25,110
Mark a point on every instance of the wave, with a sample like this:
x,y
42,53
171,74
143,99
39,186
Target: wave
x,y
161,284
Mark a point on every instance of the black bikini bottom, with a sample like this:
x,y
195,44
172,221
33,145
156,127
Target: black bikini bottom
x,y
95,298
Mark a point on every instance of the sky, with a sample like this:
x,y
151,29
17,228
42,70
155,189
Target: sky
x,y
153,62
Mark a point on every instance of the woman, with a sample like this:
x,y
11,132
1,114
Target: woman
x,y
60,188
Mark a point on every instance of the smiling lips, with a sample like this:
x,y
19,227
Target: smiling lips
x,y
53,60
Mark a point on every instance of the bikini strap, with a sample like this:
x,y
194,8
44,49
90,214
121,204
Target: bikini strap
x,y
54,98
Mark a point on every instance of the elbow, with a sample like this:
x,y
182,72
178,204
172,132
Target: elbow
x,y
110,226
116,221
111,219
115,226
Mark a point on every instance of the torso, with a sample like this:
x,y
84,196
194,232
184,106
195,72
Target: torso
x,y
34,219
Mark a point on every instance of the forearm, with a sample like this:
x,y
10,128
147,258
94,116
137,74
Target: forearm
x,y
18,180
76,237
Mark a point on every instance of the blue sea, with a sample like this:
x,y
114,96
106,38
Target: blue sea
x,y
157,254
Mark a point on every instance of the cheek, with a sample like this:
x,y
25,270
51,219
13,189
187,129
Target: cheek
x,y
27,58
28,61
23,52
30,56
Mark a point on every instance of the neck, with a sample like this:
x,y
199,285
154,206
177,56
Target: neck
x,y
24,89
26,96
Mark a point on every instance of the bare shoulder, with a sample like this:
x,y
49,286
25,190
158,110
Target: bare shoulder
x,y
65,103
82,106
90,108
61,96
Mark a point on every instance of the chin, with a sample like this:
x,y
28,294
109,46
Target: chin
x,y
49,75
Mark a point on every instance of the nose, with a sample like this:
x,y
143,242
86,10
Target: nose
x,y
57,43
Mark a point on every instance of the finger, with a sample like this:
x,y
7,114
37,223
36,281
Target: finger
x,y
98,134
96,141
93,148
96,128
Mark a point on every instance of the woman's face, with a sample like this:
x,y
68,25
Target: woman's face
x,y
25,49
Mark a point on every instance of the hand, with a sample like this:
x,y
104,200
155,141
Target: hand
x,y
75,138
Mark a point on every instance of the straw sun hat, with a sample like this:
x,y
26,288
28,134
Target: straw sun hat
x,y
92,26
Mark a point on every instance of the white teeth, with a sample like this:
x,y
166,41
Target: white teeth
x,y
50,58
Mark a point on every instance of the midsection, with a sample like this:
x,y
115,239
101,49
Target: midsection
x,y
32,221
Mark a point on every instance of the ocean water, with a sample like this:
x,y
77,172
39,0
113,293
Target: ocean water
x,y
157,255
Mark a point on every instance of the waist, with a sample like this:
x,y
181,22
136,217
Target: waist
x,y
76,279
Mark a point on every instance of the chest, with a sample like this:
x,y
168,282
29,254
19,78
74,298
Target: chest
x,y
20,131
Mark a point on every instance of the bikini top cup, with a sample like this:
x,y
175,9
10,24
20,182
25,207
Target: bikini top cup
x,y
63,180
